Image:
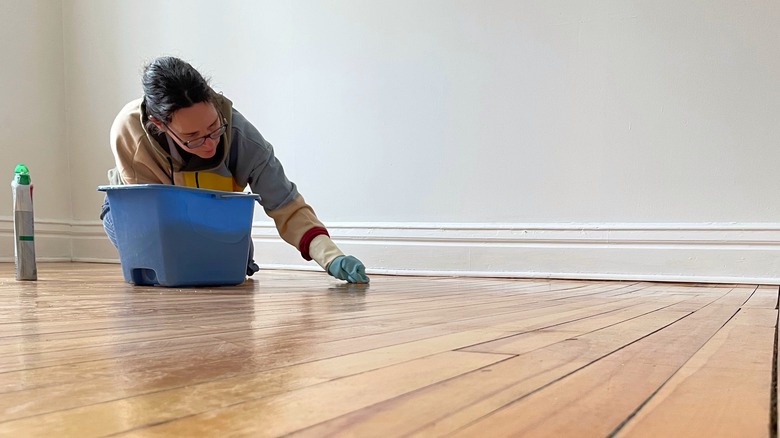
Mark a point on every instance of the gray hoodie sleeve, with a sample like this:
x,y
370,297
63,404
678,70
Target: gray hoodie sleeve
x,y
257,166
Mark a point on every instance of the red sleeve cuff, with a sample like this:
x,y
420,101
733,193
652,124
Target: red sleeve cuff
x,y
307,238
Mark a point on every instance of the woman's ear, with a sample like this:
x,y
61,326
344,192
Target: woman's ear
x,y
156,122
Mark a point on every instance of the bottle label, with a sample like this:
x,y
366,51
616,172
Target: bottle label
x,y
24,225
23,198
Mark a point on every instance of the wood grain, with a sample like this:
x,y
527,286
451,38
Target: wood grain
x,y
84,354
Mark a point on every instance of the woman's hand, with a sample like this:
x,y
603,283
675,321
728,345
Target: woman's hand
x,y
348,268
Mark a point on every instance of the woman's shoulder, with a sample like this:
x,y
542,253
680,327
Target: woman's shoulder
x,y
130,114
128,123
131,109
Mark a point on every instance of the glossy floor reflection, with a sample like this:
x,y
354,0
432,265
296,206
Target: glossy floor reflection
x,y
84,354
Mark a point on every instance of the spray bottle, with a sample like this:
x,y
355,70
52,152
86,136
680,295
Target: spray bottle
x,y
24,252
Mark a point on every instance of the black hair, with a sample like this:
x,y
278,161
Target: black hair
x,y
171,84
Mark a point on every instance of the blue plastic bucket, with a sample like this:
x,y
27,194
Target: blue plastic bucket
x,y
181,236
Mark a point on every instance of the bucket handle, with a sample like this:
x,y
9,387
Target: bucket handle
x,y
236,195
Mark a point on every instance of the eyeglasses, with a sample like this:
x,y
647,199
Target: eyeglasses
x,y
198,142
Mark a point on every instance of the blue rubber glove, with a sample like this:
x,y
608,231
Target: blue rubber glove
x,y
348,268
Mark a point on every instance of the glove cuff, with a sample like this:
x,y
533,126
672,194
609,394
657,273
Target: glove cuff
x,y
323,250
305,243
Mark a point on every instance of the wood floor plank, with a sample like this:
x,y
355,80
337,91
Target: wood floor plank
x,y
278,415
596,400
194,399
722,390
441,409
518,343
765,297
223,364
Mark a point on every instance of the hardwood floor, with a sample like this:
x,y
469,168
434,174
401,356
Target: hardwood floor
x,y
82,353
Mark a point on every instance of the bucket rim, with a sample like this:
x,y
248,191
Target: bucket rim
x,y
168,187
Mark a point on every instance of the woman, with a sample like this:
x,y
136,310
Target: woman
x,y
181,132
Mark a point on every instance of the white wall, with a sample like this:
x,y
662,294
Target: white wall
x,y
618,139
33,129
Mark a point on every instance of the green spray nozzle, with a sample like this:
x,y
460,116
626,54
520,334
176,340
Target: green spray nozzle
x,y
22,174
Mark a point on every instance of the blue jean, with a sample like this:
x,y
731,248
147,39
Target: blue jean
x,y
108,226
108,221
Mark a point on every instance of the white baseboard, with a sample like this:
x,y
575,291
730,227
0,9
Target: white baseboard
x,y
710,253
52,240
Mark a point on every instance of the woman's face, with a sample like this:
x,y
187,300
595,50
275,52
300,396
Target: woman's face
x,y
193,124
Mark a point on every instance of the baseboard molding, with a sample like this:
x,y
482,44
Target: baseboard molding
x,y
52,240
709,253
